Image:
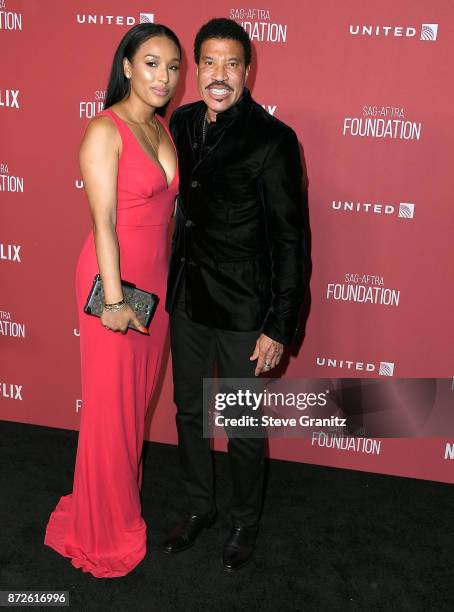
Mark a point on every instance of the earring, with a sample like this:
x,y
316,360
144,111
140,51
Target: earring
x,y
128,76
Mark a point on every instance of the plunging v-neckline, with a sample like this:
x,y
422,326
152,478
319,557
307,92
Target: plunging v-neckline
x,y
160,168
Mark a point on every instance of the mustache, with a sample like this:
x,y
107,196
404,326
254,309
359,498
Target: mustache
x,y
219,84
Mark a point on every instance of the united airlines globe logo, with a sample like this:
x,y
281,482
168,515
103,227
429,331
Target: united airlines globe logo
x,y
386,368
146,18
406,210
429,31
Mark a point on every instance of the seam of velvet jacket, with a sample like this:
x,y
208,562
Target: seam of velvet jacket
x,y
240,238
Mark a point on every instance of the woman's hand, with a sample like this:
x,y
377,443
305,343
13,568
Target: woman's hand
x,y
118,320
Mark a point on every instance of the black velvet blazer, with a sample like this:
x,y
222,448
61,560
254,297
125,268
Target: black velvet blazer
x,y
241,229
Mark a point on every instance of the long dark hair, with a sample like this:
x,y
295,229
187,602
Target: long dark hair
x,y
118,86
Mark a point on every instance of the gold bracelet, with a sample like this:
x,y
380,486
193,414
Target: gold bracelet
x,y
116,306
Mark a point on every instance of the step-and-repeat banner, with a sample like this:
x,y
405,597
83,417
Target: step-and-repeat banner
x,y
368,89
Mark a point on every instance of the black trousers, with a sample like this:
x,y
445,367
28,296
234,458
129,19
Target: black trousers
x,y
196,349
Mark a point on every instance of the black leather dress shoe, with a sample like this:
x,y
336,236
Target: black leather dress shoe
x,y
239,547
186,531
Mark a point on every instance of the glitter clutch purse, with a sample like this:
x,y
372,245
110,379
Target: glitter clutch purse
x,y
142,302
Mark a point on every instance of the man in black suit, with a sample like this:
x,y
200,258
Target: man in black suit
x,y
237,274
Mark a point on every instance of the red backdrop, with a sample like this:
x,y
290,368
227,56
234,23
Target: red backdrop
x,y
367,89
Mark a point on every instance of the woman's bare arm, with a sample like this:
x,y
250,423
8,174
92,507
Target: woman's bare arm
x,y
99,154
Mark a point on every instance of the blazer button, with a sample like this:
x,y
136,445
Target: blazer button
x,y
195,184
183,259
189,223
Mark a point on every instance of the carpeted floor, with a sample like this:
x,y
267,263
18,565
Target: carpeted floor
x,y
330,540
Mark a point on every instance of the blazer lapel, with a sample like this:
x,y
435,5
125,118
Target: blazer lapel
x,y
209,151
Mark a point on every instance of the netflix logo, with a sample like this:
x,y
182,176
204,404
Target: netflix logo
x,y
9,98
11,391
10,252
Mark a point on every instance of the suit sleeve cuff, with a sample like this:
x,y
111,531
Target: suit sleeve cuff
x,y
280,330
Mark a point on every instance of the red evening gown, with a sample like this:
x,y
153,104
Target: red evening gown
x,y
99,525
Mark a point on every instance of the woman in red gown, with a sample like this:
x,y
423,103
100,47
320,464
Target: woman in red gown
x,y
130,172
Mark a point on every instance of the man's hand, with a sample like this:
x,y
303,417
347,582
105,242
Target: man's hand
x,y
268,352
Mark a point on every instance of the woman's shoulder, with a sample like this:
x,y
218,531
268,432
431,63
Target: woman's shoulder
x,y
101,137
102,127
103,123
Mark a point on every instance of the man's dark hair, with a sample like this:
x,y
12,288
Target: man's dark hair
x,y
222,28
